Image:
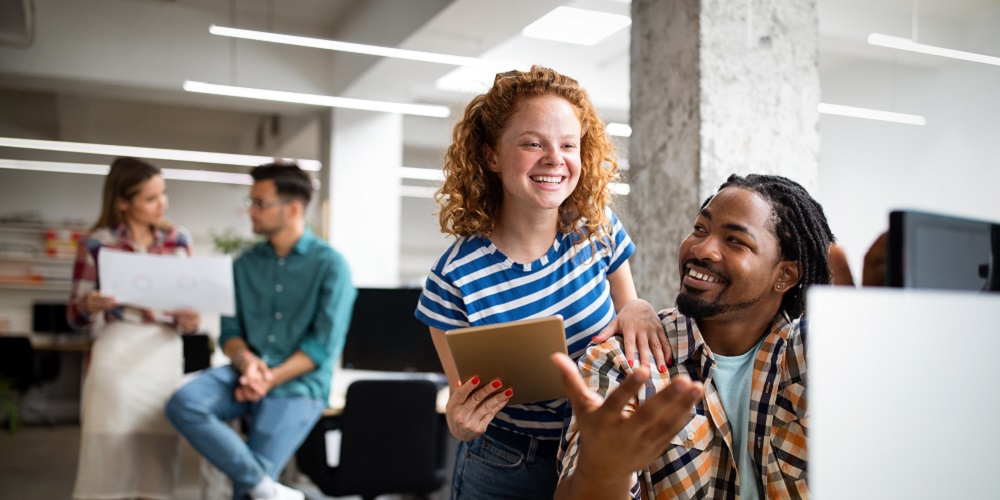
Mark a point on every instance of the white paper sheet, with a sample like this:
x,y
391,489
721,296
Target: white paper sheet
x,y
167,282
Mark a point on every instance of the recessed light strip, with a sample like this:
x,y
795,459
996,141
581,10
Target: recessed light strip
x,y
618,129
577,26
433,174
895,42
91,169
871,114
417,191
434,111
356,48
421,174
152,153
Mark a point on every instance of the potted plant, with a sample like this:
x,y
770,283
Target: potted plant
x,y
9,408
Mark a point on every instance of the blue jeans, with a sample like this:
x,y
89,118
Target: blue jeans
x,y
201,409
497,466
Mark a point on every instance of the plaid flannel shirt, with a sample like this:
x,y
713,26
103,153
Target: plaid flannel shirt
x,y
699,462
175,241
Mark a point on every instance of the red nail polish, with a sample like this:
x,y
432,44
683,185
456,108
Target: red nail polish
x,y
630,363
663,369
458,383
497,384
474,381
508,392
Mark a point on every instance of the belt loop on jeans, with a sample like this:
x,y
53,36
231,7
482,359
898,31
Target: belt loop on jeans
x,y
532,448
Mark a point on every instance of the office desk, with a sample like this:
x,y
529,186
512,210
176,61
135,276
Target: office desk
x,y
65,343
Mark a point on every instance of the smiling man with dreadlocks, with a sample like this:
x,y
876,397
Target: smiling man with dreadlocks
x,y
753,249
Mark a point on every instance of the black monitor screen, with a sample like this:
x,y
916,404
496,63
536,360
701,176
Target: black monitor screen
x,y
943,252
49,318
384,335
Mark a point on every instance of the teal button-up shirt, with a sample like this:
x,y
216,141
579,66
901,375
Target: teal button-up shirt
x,y
300,302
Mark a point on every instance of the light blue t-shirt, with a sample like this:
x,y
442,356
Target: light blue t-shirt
x,y
732,379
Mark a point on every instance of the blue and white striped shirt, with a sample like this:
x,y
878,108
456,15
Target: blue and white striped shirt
x,y
475,284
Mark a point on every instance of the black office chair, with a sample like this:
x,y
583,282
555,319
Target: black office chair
x,y
23,366
393,441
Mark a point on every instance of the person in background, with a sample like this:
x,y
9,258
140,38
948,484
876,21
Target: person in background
x,y
840,270
873,272
294,301
526,194
127,448
755,247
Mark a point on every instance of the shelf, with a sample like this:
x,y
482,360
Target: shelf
x,y
37,260
37,228
41,287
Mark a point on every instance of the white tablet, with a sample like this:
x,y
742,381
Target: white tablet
x,y
518,353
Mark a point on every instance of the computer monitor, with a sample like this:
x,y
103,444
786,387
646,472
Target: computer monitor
x,y
943,252
386,336
49,318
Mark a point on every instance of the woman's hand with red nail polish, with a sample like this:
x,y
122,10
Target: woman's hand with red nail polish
x,y
642,333
472,406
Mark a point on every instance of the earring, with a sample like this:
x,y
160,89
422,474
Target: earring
x,y
778,286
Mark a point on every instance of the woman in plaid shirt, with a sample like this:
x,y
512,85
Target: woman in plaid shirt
x,y
128,449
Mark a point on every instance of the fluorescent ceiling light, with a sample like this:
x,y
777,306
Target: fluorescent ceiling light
x,y
49,166
895,42
570,25
417,191
207,176
357,48
319,100
467,80
168,173
422,174
152,153
620,188
871,114
618,129
433,174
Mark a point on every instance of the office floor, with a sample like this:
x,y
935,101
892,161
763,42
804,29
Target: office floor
x,y
39,463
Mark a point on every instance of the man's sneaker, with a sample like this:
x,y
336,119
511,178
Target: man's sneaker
x,y
282,492
267,489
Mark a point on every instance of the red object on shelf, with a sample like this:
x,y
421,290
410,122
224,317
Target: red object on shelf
x,y
61,242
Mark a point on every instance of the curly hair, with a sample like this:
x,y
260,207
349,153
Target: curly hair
x,y
802,230
471,197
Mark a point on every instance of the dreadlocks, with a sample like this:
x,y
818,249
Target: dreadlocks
x,y
801,228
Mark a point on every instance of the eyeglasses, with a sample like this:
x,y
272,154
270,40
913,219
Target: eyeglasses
x,y
258,204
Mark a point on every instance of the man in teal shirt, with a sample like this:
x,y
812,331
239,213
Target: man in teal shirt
x,y
294,301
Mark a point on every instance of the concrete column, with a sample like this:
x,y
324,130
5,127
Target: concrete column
x,y
362,190
718,87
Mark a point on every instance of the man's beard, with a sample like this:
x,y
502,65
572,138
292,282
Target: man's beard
x,y
696,308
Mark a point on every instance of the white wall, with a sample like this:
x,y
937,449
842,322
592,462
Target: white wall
x,y
951,165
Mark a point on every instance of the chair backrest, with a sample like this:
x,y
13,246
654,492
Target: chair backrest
x,y
197,352
17,361
393,441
